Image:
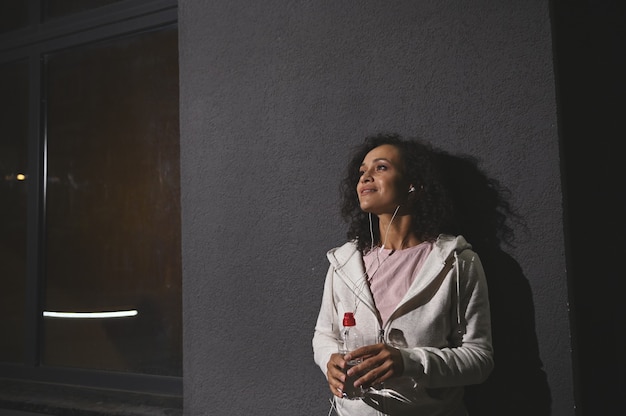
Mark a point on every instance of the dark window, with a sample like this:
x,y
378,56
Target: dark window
x,y
13,15
90,256
113,206
58,8
13,170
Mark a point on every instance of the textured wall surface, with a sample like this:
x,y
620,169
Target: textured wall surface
x,y
273,96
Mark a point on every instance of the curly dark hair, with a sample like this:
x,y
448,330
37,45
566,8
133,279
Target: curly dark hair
x,y
483,212
430,205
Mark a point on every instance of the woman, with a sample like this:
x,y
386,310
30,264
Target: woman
x,y
420,293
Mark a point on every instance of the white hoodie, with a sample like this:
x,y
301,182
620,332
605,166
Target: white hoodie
x,y
444,338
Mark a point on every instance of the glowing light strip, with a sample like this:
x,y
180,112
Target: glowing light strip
x,y
90,315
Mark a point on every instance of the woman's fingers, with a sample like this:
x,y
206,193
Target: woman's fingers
x,y
381,362
335,374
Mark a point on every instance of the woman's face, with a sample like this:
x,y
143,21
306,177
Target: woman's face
x,y
381,187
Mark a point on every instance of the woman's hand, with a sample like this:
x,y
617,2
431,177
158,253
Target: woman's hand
x,y
335,373
379,363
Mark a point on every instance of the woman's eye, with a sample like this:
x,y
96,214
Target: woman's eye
x,y
381,167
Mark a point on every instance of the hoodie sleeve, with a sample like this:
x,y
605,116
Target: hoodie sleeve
x,y
468,357
326,332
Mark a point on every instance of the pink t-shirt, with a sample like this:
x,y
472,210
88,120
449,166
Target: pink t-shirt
x,y
391,272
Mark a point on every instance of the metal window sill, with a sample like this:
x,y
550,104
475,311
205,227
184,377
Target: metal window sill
x,y
54,399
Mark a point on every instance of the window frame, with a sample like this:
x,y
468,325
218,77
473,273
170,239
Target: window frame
x,y
33,43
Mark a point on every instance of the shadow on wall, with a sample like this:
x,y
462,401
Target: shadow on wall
x,y
518,384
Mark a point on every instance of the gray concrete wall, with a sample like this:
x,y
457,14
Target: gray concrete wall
x,y
273,95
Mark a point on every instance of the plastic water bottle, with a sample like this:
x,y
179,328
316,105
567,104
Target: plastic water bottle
x,y
352,339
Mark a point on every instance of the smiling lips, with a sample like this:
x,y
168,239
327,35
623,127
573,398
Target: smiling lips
x,y
368,190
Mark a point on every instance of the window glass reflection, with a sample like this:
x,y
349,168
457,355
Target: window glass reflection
x,y
13,157
113,206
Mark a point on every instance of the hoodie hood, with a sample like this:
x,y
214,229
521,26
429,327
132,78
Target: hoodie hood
x,y
348,258
445,244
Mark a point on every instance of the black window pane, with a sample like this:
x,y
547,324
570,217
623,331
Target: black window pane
x,y
13,15
13,157
60,8
113,206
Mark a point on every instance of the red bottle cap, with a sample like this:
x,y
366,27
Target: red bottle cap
x,y
348,319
